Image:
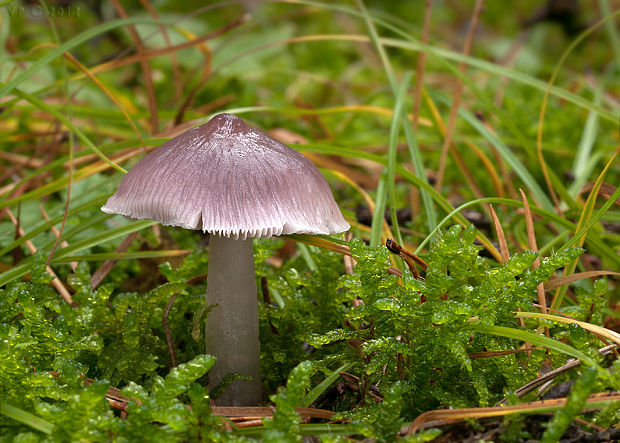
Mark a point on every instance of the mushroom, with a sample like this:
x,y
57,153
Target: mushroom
x,y
236,183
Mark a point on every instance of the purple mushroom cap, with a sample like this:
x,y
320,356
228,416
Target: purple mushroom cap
x,y
231,180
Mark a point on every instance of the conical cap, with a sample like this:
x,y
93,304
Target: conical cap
x,y
229,179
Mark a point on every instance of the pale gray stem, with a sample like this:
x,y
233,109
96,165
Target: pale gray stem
x,y
232,326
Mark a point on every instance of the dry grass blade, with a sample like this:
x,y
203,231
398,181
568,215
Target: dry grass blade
x,y
387,232
548,376
488,165
605,190
489,354
531,238
499,160
598,330
419,80
503,248
320,242
56,283
449,416
206,74
131,59
568,279
146,68
242,413
349,262
236,414
105,90
584,219
57,234
107,265
354,175
22,160
169,340
466,171
456,101
176,70
501,237
371,109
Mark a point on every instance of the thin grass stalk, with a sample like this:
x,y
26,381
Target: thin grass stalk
x,y
57,233
537,339
50,224
409,132
508,156
176,70
56,282
531,240
465,171
67,94
612,31
208,72
378,217
69,45
501,237
367,198
456,101
587,220
105,90
146,68
408,42
23,268
412,143
392,151
545,100
418,165
419,79
581,167
51,110
105,268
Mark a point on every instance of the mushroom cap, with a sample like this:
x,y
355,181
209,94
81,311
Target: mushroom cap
x,y
231,180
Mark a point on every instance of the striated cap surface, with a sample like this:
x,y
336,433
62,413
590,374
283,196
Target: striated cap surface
x,y
231,180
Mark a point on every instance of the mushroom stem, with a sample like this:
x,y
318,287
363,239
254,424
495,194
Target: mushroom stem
x,y
232,326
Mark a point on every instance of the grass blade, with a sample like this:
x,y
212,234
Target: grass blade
x,y
598,330
537,339
68,45
27,418
321,387
392,150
